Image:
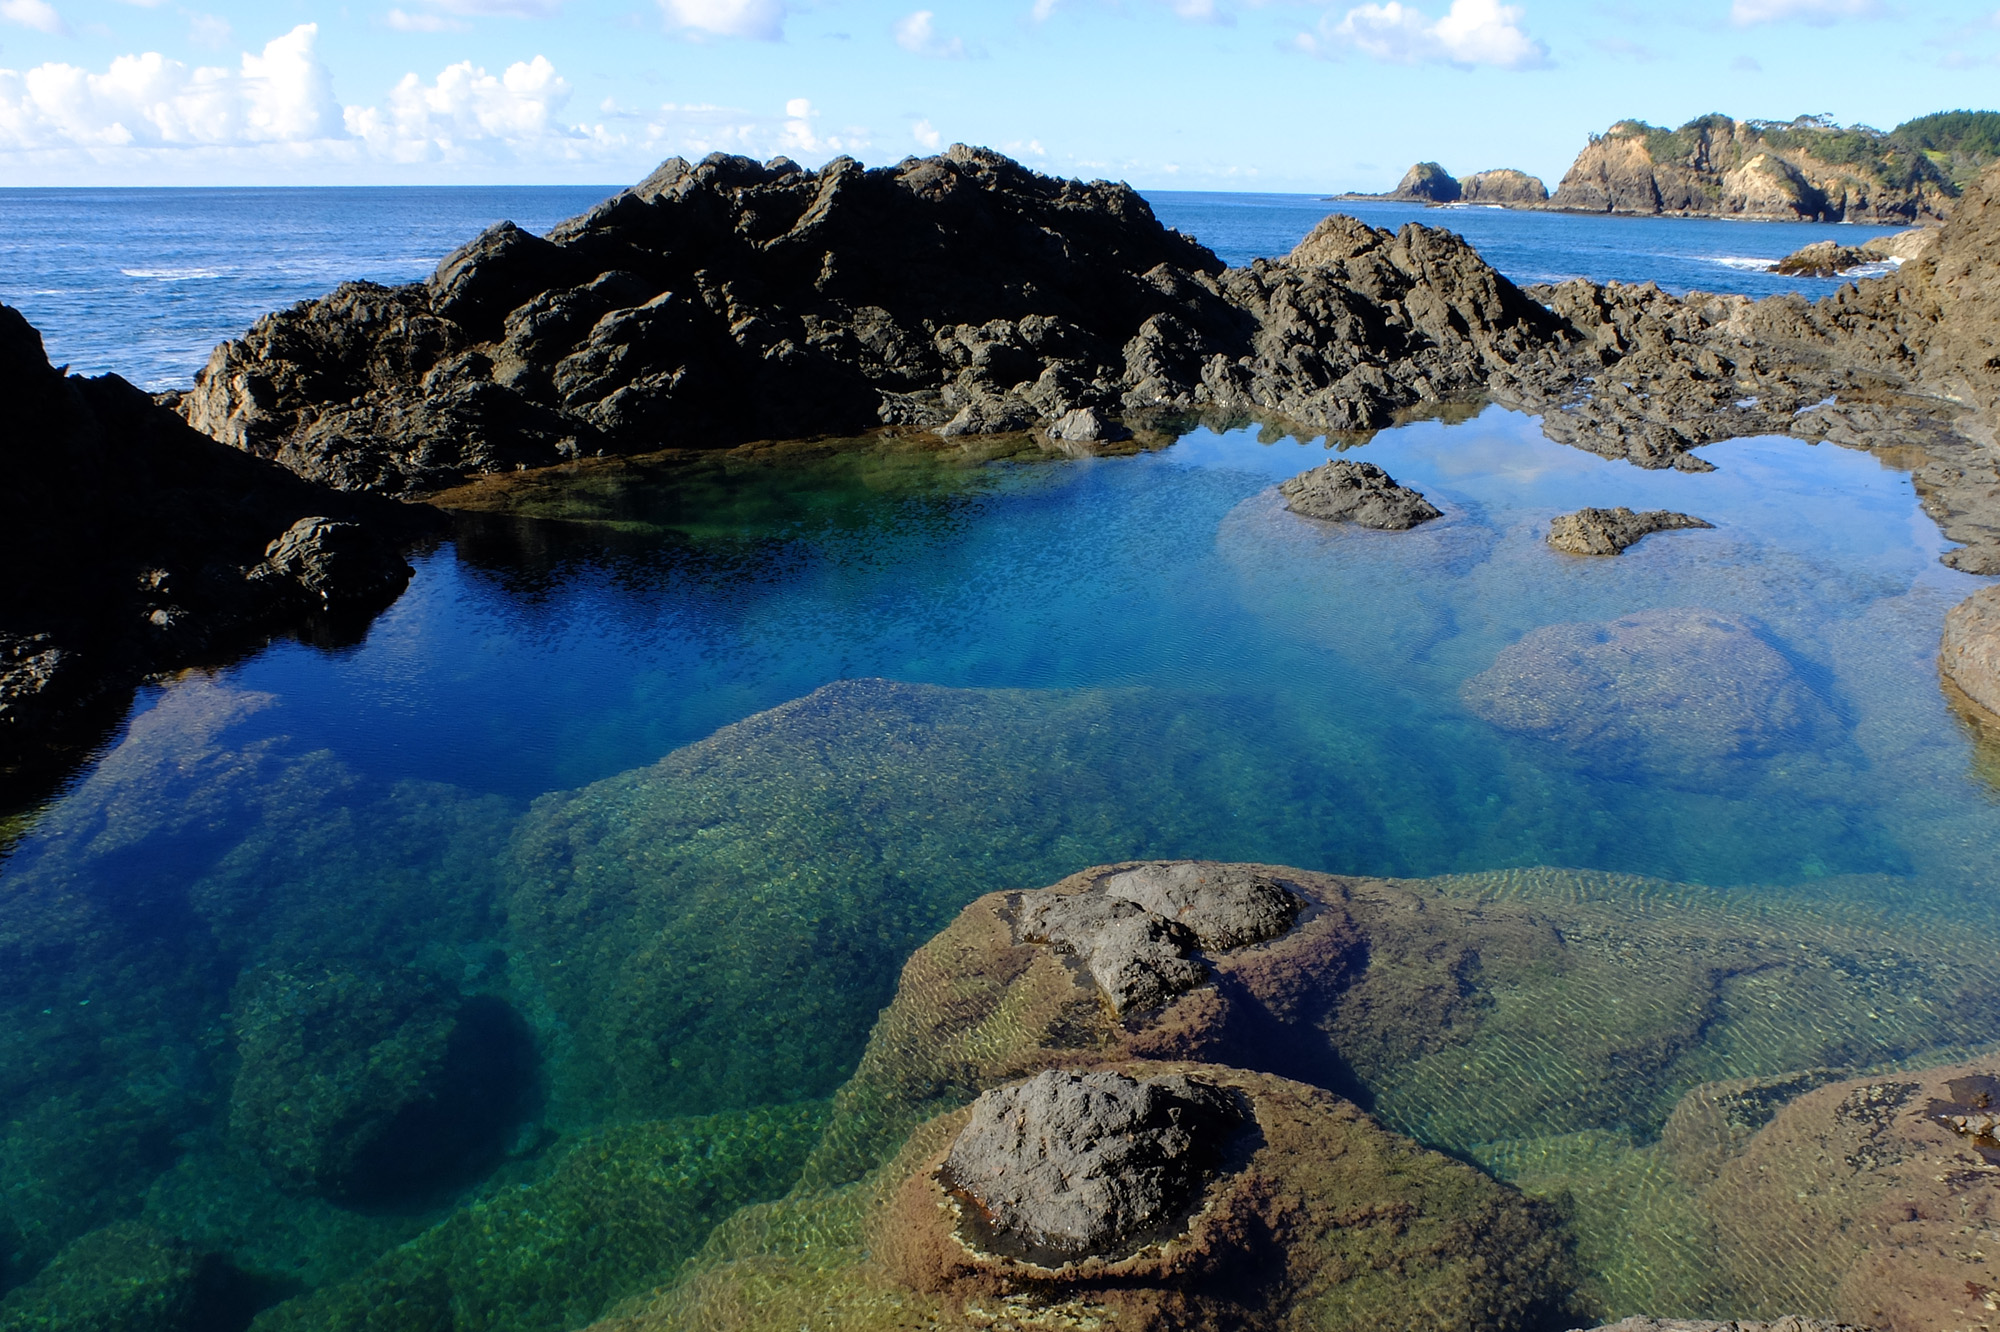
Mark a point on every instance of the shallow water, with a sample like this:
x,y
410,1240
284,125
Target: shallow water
x,y
599,766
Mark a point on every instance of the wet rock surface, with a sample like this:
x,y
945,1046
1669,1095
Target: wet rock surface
x,y
1680,694
1970,654
1359,493
1072,1165
134,544
1612,531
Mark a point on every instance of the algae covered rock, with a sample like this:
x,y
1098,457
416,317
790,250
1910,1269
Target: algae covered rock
x,y
1611,531
1678,694
373,1084
610,1216
1359,493
126,1277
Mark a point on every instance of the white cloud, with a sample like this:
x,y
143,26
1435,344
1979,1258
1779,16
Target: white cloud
x,y
1043,8
500,8
918,34
467,112
1472,32
927,136
1745,13
37,14
283,95
762,20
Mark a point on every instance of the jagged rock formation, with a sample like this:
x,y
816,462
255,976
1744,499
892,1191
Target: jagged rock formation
x,y
1506,186
1809,169
1832,259
729,301
1359,493
135,544
1612,531
1970,653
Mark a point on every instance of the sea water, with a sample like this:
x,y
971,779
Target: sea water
x,y
663,767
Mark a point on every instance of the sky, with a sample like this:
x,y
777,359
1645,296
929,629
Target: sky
x,y
1256,95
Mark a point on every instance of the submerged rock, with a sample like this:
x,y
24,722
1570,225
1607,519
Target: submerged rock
x,y
1359,493
1679,694
1071,1165
373,1084
126,1277
1611,531
1969,655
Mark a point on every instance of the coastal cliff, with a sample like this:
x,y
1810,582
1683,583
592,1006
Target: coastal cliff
x,y
1808,169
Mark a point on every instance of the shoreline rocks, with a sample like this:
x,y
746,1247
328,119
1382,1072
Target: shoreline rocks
x,y
1613,531
136,545
1359,493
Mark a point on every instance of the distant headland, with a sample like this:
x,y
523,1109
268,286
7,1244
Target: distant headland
x,y
1808,169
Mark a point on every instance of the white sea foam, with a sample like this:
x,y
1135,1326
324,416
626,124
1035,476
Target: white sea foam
x,y
1742,264
172,274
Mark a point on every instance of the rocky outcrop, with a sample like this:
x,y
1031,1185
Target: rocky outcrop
x,y
1504,186
1789,1323
1970,654
128,1277
1713,166
962,294
1359,493
1427,182
1832,259
134,545
1612,531
1683,695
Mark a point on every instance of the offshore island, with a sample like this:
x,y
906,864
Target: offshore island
x,y
1156,1093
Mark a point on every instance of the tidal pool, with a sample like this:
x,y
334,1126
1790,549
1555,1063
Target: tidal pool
x,y
608,843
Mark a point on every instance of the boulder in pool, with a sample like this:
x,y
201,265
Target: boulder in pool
x,y
1359,493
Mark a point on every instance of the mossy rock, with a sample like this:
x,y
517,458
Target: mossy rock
x,y
613,1214
125,1277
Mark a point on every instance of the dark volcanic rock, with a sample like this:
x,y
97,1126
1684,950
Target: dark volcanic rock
x,y
134,544
1359,493
730,301
1610,531
1821,259
1074,1165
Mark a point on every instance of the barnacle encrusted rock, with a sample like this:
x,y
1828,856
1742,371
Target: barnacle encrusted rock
x,y
1359,493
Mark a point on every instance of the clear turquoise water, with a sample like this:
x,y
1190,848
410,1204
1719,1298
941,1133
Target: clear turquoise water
x,y
589,773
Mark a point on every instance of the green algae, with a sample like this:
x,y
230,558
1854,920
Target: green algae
x,y
611,1215
123,1278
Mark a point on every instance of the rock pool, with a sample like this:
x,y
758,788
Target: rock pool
x,y
599,857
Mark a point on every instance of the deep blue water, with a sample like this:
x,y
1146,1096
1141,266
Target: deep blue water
x,y
146,282
1110,658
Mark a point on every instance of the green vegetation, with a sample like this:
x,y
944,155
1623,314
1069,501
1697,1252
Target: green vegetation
x,y
1959,143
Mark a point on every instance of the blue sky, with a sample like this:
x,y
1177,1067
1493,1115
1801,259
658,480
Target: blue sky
x,y
1194,94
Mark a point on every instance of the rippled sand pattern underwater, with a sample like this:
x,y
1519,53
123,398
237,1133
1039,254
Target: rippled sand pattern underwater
x,y
673,766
